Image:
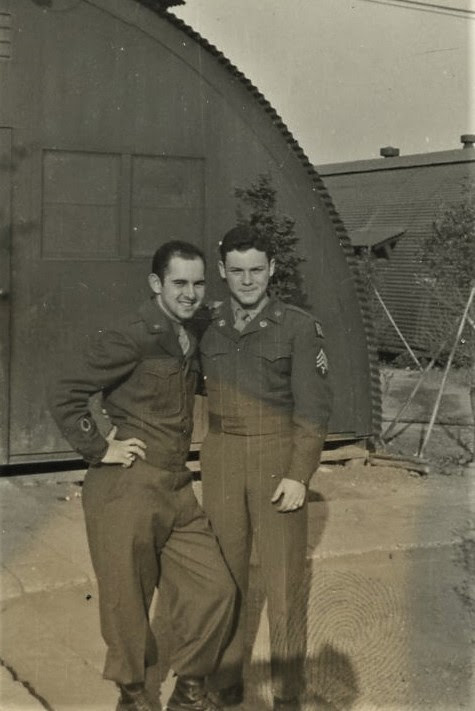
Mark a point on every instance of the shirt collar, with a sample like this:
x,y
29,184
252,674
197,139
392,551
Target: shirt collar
x,y
235,308
222,312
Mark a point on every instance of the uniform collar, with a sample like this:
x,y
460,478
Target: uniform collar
x,y
223,316
159,324
274,310
155,319
253,313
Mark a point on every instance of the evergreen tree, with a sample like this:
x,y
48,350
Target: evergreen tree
x,y
448,262
449,257
257,207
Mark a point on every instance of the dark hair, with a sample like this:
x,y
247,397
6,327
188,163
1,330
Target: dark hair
x,y
242,238
174,248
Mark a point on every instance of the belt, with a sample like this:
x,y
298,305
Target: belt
x,y
252,425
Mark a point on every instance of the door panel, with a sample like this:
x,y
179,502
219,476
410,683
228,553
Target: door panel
x,y
75,270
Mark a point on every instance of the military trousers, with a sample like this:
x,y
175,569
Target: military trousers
x,y
240,475
145,528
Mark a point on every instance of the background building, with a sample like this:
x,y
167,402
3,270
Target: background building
x,y
388,206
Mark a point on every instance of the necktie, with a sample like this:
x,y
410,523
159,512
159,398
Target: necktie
x,y
242,319
183,339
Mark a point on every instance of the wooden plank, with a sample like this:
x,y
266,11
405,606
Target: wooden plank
x,y
340,454
385,460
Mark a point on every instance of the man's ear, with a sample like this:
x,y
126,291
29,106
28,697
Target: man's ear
x,y
155,283
222,269
271,267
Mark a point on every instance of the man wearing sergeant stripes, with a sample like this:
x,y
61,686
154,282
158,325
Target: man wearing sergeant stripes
x,y
266,375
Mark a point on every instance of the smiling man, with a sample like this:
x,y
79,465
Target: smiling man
x,y
144,525
269,402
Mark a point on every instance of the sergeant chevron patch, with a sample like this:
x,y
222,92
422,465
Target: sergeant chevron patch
x,y
322,363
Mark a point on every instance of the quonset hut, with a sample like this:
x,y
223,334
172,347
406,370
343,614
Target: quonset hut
x,y
121,128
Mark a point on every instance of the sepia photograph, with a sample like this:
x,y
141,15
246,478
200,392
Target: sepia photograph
x,y
237,355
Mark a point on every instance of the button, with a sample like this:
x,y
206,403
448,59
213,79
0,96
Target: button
x,y
263,324
221,322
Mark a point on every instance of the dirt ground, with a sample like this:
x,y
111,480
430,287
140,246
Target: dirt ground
x,y
450,447
391,560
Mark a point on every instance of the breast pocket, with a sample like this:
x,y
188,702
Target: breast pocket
x,y
275,357
213,351
162,381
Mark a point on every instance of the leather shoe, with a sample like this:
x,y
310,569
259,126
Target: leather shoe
x,y
230,696
134,698
190,695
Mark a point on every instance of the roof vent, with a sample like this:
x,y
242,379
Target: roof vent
x,y
389,152
468,139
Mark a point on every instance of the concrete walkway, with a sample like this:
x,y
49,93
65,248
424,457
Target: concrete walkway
x,y
389,614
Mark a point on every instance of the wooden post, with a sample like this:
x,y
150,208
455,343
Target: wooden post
x,y
396,327
413,394
446,372
402,410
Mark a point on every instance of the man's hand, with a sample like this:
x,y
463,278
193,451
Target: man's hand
x,y
123,451
292,494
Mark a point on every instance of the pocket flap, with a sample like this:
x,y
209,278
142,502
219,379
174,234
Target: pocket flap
x,y
274,351
161,367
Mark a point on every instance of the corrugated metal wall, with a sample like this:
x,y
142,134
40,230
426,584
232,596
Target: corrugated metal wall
x,y
409,199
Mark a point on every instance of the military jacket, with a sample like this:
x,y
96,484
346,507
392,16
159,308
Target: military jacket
x,y
148,389
270,378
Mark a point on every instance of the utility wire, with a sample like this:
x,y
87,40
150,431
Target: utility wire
x,y
433,8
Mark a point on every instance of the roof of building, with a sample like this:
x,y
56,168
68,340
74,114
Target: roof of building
x,y
369,237
403,193
392,203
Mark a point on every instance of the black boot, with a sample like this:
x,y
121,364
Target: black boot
x,y
190,695
230,696
134,698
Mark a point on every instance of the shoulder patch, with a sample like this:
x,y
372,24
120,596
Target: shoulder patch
x,y
319,329
308,315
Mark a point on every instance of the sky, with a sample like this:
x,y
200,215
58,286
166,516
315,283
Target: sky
x,y
351,76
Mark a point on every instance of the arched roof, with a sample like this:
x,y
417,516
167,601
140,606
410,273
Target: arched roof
x,y
318,184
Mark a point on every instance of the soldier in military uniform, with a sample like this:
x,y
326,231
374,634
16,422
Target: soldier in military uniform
x,y
143,522
266,374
